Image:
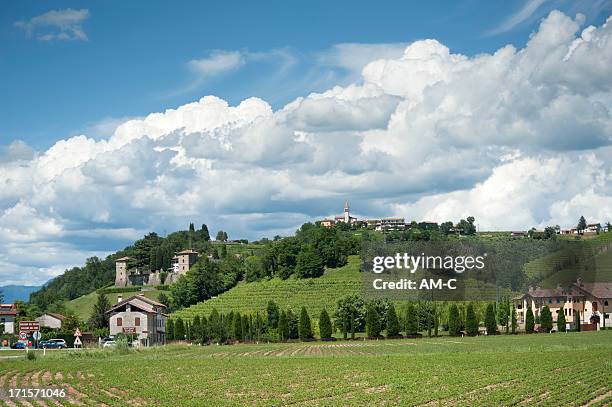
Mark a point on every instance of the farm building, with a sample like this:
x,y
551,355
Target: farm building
x,y
51,320
593,302
141,317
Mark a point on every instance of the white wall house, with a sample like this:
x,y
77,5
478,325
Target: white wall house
x,y
8,313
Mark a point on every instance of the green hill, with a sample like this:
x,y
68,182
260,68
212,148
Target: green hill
x,y
83,306
294,293
590,259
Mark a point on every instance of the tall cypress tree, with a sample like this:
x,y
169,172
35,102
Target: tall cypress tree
x,y
393,328
529,321
471,323
453,320
238,327
305,329
292,321
412,320
99,318
561,321
283,326
196,328
170,330
546,322
273,314
325,326
204,330
179,329
577,321
372,322
490,321
204,232
514,321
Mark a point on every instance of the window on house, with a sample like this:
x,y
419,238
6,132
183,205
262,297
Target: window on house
x,y
558,300
550,300
137,321
119,321
606,303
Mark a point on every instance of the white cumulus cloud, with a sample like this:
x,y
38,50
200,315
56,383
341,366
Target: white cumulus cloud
x,y
517,138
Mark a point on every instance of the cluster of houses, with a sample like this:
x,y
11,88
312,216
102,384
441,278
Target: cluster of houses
x,y
383,224
591,301
591,229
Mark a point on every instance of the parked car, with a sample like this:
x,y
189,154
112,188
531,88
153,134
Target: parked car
x,y
18,345
109,344
53,344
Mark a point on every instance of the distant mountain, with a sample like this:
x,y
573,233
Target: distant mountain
x,y
13,293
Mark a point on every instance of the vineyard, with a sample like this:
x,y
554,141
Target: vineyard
x,y
590,260
571,369
291,293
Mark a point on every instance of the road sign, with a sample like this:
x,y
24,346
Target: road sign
x,y
77,342
29,326
36,335
23,336
77,333
129,330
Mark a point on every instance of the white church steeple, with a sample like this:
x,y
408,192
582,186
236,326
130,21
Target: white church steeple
x,y
347,216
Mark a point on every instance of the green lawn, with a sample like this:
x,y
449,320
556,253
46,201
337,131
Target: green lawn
x,y
314,293
570,369
83,306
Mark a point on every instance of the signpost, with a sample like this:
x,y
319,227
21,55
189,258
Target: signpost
x,y
29,326
23,336
77,338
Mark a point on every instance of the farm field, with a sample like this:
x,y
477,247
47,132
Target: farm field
x,y
555,369
294,293
83,306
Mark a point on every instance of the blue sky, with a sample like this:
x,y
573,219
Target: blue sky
x,y
135,58
118,118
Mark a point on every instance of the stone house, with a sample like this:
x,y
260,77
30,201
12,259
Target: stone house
x,y
141,318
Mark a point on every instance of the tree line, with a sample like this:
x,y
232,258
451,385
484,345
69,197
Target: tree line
x,y
354,316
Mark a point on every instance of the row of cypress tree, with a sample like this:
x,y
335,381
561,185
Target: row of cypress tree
x,y
285,325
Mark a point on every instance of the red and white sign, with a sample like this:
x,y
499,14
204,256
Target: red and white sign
x,y
129,330
78,333
29,326
23,336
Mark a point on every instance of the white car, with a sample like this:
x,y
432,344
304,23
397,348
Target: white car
x,y
109,344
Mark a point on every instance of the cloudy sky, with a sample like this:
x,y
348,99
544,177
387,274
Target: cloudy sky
x,y
124,118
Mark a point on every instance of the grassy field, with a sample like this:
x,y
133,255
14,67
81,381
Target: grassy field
x,y
571,369
313,293
83,306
